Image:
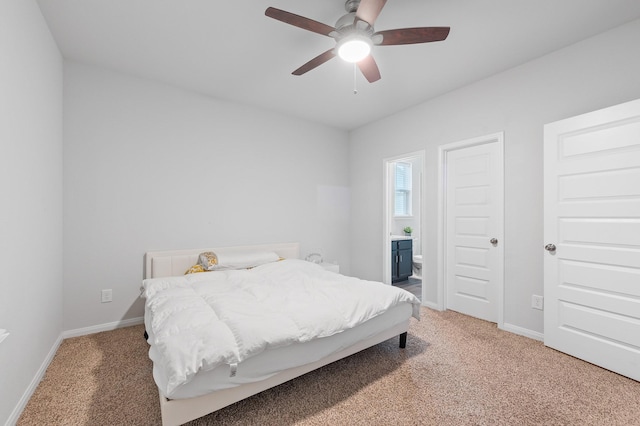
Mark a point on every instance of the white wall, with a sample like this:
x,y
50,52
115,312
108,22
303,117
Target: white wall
x,y
592,74
31,190
148,166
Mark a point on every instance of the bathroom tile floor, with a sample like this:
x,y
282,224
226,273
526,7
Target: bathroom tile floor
x,y
412,285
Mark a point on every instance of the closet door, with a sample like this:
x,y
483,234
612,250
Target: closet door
x,y
592,237
473,232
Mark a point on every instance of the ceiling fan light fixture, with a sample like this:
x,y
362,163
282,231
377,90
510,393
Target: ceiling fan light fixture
x,y
354,48
355,36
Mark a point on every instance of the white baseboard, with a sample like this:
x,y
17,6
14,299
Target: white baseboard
x,y
505,326
102,327
431,305
523,332
17,411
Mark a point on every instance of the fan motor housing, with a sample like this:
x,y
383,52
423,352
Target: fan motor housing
x,y
349,24
351,5
345,21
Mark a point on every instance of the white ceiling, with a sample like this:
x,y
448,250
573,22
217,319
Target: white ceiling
x,y
230,50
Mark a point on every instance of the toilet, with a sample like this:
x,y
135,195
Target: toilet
x,y
417,266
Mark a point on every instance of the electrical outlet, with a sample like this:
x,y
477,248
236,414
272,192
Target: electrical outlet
x,y
537,302
107,295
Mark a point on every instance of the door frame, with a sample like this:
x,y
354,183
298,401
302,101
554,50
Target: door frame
x,y
387,184
443,150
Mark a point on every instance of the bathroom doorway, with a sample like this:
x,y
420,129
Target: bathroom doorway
x,y
403,228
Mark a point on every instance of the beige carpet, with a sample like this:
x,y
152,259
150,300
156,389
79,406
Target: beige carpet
x,y
456,370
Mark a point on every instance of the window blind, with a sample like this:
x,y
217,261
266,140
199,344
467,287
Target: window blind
x,y
402,200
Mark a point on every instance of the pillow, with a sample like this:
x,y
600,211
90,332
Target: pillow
x,y
195,269
222,260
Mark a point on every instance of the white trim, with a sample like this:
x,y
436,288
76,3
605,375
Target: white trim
x,y
28,393
429,304
441,253
386,208
102,327
536,335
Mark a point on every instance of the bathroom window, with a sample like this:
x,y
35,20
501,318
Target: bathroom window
x,y
402,202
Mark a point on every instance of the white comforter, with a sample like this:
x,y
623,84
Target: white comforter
x,y
200,321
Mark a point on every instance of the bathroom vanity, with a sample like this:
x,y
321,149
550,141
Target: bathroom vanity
x,y
401,259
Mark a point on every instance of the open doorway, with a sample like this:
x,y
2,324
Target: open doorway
x,y
403,225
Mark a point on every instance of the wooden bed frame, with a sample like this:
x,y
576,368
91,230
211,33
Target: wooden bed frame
x,y
179,411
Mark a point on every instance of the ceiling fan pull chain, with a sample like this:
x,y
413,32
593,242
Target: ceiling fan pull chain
x,y
355,79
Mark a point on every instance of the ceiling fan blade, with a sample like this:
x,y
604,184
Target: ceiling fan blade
x,y
368,10
369,69
412,35
298,21
315,62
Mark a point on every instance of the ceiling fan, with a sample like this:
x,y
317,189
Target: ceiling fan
x,y
355,36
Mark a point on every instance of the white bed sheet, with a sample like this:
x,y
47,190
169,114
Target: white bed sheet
x,y
272,361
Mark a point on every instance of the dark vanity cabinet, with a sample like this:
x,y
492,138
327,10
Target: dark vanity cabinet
x,y
401,260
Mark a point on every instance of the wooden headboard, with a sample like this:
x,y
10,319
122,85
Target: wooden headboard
x,y
169,263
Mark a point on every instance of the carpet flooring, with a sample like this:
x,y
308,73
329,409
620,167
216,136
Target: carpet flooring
x,y
455,370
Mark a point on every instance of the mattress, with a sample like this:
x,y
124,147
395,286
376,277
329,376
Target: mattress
x,y
272,361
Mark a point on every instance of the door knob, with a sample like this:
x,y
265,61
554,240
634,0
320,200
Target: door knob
x,y
550,247
493,241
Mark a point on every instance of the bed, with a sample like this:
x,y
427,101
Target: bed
x,y
195,379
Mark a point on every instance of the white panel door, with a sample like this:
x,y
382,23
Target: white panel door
x,y
473,201
592,217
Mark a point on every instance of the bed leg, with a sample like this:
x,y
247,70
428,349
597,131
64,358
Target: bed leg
x,y
403,340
